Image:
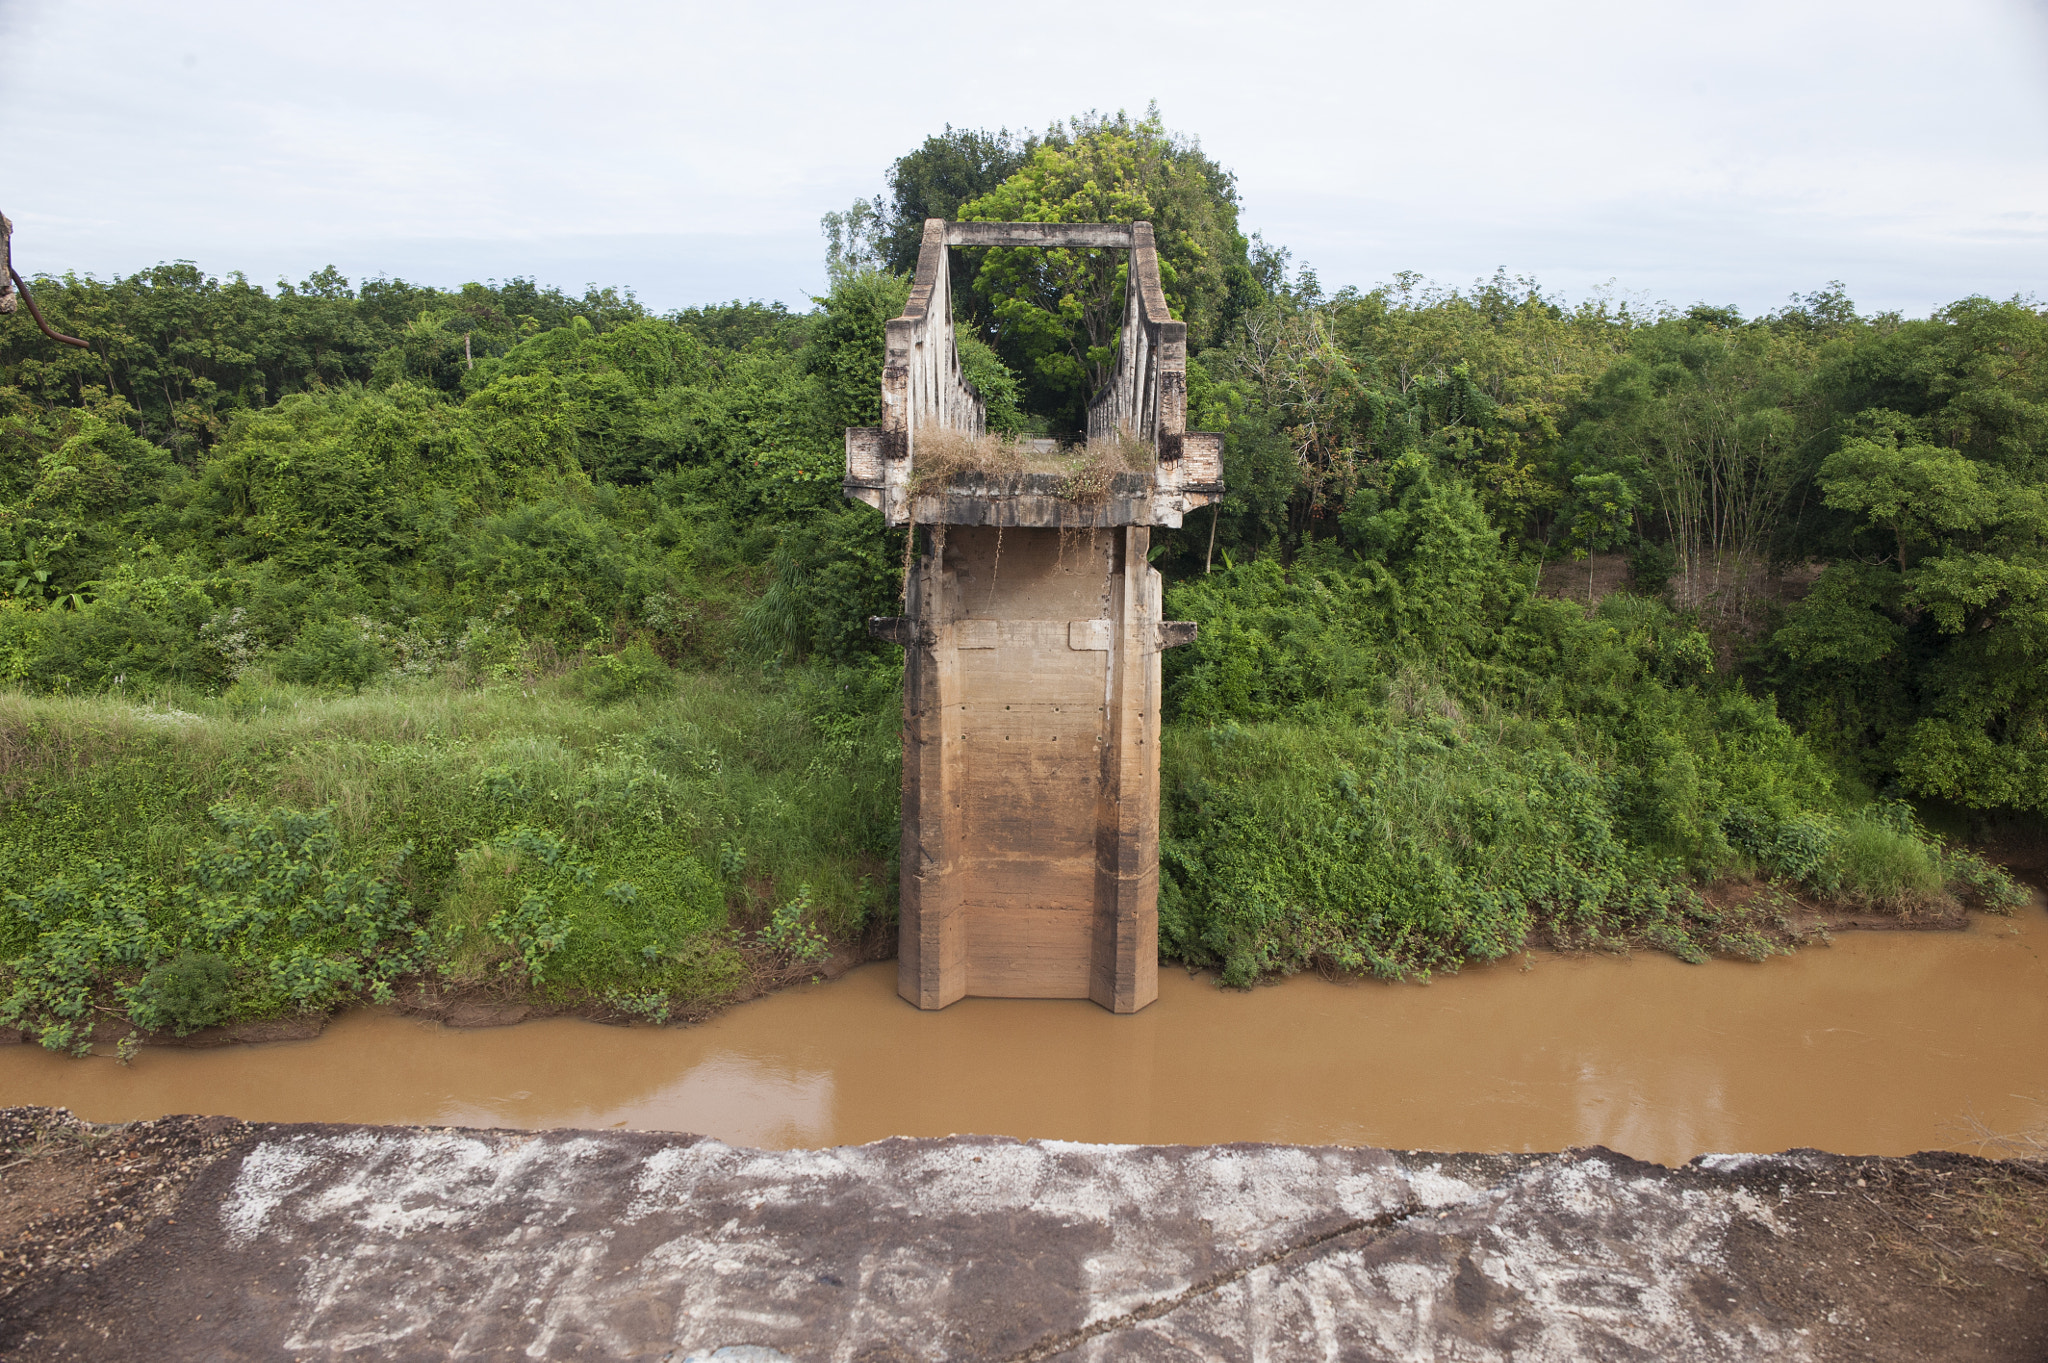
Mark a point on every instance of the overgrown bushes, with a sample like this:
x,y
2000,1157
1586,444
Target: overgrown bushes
x,y
520,639
264,916
275,849
1393,756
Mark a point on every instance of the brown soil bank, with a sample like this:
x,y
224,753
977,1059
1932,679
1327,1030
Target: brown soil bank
x,y
208,1238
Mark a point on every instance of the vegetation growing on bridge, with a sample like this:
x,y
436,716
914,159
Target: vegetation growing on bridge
x,y
360,632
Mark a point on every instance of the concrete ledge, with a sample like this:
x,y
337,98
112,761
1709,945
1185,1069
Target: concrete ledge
x,y
1098,234
223,1240
1039,501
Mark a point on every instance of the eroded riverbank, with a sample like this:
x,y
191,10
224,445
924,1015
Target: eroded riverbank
x,y
1883,1043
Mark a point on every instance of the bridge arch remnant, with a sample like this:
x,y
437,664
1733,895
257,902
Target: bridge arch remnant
x,y
1033,629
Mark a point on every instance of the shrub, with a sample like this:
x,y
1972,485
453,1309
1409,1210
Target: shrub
x,y
631,673
1651,566
1801,848
1887,866
137,630
1988,886
331,653
194,989
629,918
270,895
491,650
789,934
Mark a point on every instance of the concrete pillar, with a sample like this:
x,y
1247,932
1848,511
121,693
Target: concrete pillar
x,y
1031,767
1126,976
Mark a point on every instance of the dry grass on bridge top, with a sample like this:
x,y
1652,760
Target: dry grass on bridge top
x,y
1086,472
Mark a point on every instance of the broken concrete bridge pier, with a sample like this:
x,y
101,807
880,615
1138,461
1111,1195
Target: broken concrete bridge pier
x,y
1033,631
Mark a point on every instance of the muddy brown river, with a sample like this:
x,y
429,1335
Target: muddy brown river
x,y
1883,1043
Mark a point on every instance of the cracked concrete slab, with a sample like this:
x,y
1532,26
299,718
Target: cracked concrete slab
x,y
632,1246
334,1242
1579,1258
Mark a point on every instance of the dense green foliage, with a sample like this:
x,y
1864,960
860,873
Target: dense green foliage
x,y
321,847
1394,754
1892,464
1055,314
360,635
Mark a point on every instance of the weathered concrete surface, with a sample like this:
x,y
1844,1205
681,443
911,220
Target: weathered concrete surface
x,y
1031,869
924,388
190,1238
1030,852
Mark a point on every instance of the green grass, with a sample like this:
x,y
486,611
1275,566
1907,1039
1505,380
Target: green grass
x,y
1410,837
1404,847
1888,867
616,835
578,848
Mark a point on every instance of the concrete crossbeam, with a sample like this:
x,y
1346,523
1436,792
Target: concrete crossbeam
x,y
1113,235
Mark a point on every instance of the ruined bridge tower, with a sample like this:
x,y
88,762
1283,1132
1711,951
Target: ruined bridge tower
x,y
1031,686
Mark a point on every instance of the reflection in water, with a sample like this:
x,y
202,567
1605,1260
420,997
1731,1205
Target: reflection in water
x,y
1882,1043
743,1100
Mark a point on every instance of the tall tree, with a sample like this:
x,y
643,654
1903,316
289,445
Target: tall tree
x,y
1057,313
950,169
1716,420
1931,628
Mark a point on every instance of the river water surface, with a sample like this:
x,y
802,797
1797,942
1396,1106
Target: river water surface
x,y
1883,1043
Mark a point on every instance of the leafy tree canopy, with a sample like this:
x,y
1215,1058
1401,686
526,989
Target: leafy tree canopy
x,y
953,168
1401,739
1057,313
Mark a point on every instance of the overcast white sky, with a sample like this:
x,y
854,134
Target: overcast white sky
x,y
1730,152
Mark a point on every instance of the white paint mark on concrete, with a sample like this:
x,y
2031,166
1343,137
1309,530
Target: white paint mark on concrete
x,y
268,1175
1433,1188
469,1245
